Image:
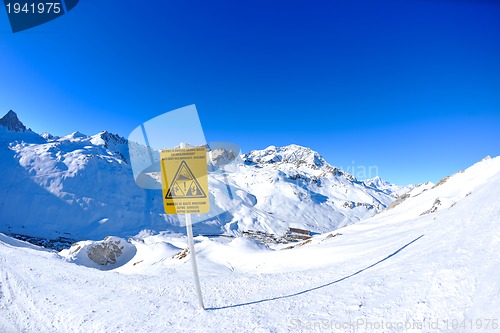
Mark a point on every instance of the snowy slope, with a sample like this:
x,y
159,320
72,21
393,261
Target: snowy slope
x,y
81,187
403,268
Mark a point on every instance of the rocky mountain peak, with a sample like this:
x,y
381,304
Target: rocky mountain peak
x,y
111,138
12,122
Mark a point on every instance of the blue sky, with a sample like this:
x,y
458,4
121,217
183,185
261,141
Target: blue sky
x,y
411,87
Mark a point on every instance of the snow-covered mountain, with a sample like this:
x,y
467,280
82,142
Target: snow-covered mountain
x,y
76,186
387,187
81,187
294,186
428,264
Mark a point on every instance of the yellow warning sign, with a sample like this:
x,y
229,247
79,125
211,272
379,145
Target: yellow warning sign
x,y
185,181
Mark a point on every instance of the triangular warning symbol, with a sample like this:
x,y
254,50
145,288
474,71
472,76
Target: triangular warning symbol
x,y
184,184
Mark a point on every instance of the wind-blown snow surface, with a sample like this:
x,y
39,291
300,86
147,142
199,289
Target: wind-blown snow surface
x,y
82,187
407,267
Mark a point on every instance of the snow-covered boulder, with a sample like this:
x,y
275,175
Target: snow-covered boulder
x,y
112,252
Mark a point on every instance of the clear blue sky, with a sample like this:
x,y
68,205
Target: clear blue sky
x,y
412,87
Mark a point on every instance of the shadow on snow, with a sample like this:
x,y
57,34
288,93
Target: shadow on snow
x,y
318,287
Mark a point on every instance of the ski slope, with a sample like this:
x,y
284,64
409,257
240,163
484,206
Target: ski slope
x,y
403,268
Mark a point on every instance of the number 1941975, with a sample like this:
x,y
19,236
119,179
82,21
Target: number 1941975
x,y
33,8
477,324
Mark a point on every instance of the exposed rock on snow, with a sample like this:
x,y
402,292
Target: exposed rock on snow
x,y
181,254
399,200
106,252
109,253
13,123
434,207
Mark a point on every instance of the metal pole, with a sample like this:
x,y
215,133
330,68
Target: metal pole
x,y
189,229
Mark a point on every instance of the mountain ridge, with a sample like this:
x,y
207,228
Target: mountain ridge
x,y
88,180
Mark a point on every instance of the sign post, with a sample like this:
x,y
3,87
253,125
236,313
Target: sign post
x,y
194,265
185,191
